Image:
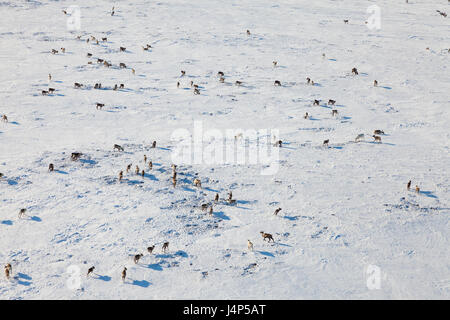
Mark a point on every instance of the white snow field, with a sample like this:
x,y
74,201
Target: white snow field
x,y
348,228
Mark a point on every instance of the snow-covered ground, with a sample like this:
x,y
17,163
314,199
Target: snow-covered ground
x,y
348,228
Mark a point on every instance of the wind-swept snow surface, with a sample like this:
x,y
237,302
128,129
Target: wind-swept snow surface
x,y
348,228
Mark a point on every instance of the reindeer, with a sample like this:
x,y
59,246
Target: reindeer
x,y
77,85
355,71
249,245
143,174
75,156
238,83
306,116
8,271
278,143
145,158
277,211
308,80
216,198
98,86
133,71
417,189
115,87
220,73
266,236
248,32
22,213
150,165
129,167
137,257
122,86
222,79
165,247
124,272
331,102
51,167
137,170
408,185
118,147
122,49
377,138
274,63
104,39
378,131
121,175
346,21
51,90
174,182
277,83
154,144
183,73
49,77
334,112
54,51
90,270
100,60
178,84
150,249
316,102
197,183
210,212
375,83
359,137
100,105
196,91
44,93
63,50
325,142
122,65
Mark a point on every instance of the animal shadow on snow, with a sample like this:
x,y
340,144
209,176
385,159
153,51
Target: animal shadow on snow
x,y
103,278
23,279
266,253
140,283
428,194
221,215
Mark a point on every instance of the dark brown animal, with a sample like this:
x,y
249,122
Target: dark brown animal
x,y
90,270
137,257
124,274
267,236
118,147
75,156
